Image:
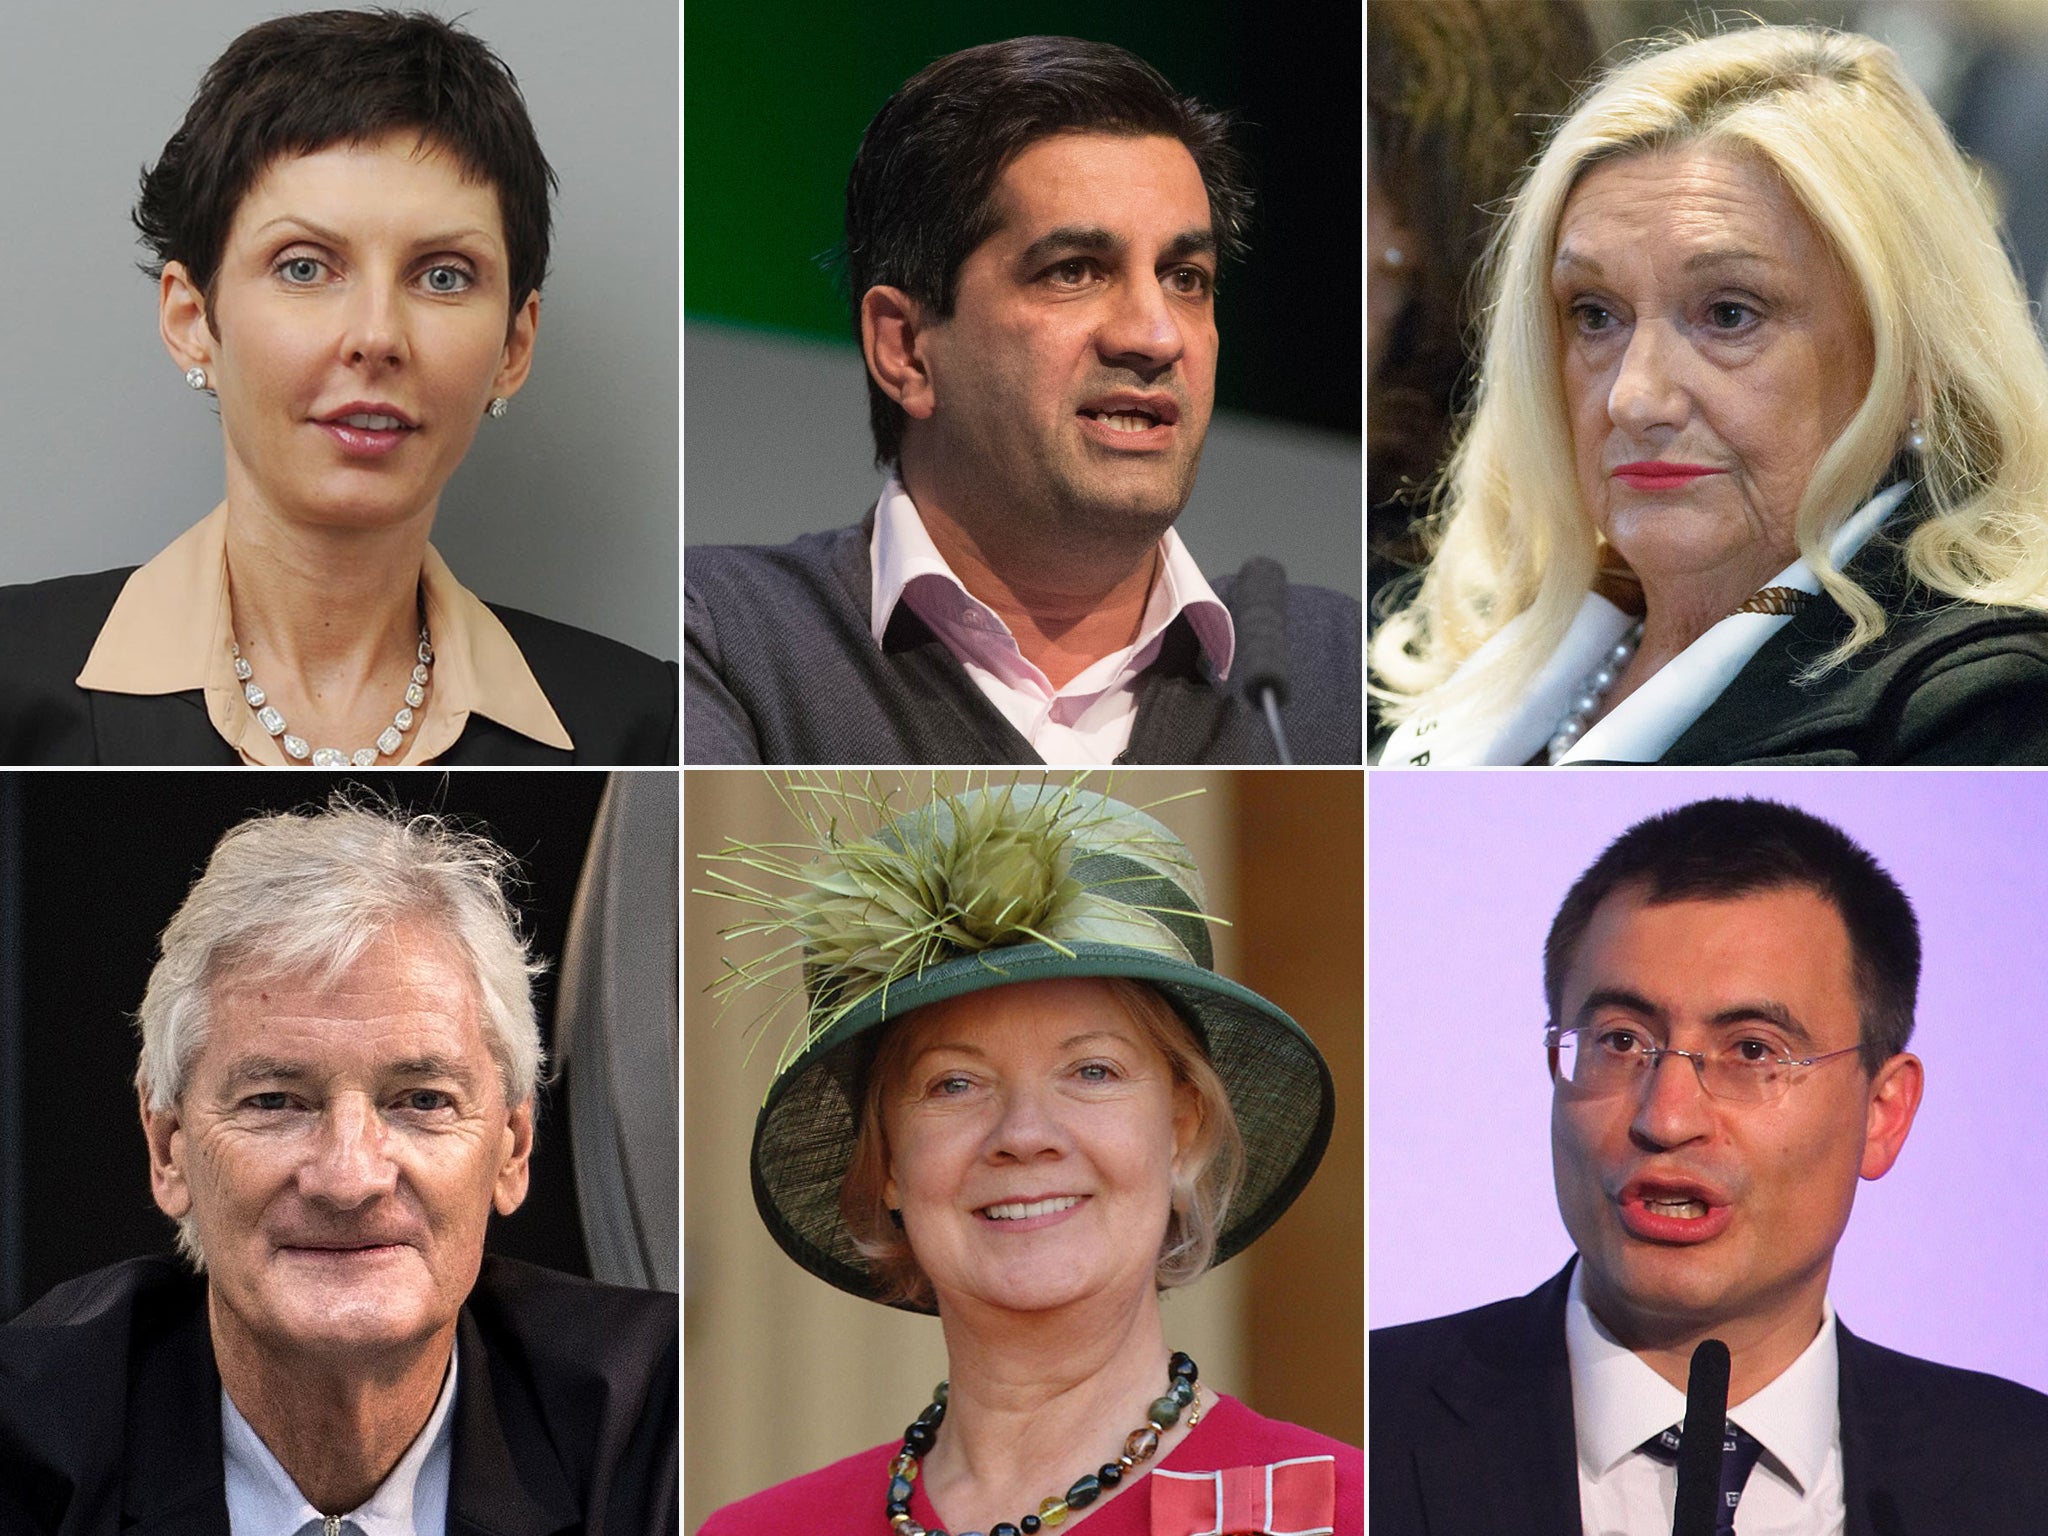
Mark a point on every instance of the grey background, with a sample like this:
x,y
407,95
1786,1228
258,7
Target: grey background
x,y
567,507
780,447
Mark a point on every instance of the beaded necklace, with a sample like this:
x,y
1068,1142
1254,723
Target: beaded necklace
x,y
1141,1444
1595,686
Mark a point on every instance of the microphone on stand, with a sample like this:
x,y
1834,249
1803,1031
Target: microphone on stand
x,y
1260,616
1699,1451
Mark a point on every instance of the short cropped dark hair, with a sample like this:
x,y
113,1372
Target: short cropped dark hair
x,y
296,85
920,197
1713,850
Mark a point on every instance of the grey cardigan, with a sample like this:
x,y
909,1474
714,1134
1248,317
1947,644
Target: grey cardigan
x,y
780,666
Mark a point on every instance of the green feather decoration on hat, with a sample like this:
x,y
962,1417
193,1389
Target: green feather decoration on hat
x,y
880,894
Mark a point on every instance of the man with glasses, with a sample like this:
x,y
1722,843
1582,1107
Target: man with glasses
x,y
1731,989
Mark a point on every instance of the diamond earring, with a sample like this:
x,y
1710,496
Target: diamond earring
x,y
499,407
196,376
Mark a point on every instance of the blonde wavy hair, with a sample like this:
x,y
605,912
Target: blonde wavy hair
x,y
1867,158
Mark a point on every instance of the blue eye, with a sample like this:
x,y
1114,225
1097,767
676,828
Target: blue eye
x,y
447,279
427,1100
268,1102
301,269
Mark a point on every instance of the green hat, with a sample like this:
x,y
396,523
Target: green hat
x,y
995,885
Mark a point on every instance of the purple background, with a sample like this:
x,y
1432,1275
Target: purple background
x,y
1945,1257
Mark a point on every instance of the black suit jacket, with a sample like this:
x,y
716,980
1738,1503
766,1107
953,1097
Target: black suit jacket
x,y
1472,1434
619,705
565,1409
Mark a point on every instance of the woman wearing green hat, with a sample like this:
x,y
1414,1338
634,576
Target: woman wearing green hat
x,y
1022,1099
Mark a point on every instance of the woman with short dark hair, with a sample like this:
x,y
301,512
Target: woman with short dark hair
x,y
349,232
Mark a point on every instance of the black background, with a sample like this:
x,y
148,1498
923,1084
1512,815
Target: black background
x,y
92,866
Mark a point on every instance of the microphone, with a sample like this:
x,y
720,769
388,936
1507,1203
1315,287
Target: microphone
x,y
1699,1452
1260,616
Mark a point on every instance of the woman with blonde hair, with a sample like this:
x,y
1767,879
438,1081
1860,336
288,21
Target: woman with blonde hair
x,y
1021,1098
1758,468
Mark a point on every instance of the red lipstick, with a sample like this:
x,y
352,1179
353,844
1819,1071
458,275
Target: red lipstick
x,y
1659,475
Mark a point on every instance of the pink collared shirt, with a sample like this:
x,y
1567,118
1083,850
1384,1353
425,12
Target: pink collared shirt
x,y
1089,719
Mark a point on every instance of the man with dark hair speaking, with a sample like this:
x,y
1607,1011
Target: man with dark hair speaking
x,y
1034,231
1731,988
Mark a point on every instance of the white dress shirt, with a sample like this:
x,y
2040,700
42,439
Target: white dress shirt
x,y
1618,1402
413,1501
1086,720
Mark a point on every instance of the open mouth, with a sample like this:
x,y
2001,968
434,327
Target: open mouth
x,y
1685,1210
1025,1210
366,434
1675,1212
1125,420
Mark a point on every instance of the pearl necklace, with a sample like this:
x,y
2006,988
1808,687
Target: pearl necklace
x,y
1777,602
389,740
1181,1394
1593,691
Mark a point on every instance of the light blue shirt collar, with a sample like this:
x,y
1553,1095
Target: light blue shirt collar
x,y
413,1501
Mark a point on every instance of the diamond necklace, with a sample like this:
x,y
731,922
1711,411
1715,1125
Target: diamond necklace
x,y
389,740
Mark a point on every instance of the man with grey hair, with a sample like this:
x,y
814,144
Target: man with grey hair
x,y
339,1056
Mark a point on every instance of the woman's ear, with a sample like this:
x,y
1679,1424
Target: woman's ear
x,y
182,319
517,361
1187,1120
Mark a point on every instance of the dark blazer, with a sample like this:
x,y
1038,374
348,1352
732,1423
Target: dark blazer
x,y
1948,683
780,666
565,1408
618,704
1472,1433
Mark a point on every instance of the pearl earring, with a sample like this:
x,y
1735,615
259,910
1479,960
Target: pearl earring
x,y
499,407
1916,439
1394,257
196,376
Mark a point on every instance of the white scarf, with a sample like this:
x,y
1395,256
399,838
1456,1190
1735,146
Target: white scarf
x,y
1642,727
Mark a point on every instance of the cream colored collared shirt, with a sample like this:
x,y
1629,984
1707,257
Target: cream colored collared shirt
x,y
1089,718
171,631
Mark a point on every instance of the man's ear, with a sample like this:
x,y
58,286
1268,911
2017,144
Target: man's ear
x,y
508,1192
1894,1100
893,335
165,1133
181,319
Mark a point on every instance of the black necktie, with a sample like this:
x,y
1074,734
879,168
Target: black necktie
x,y
1739,1451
